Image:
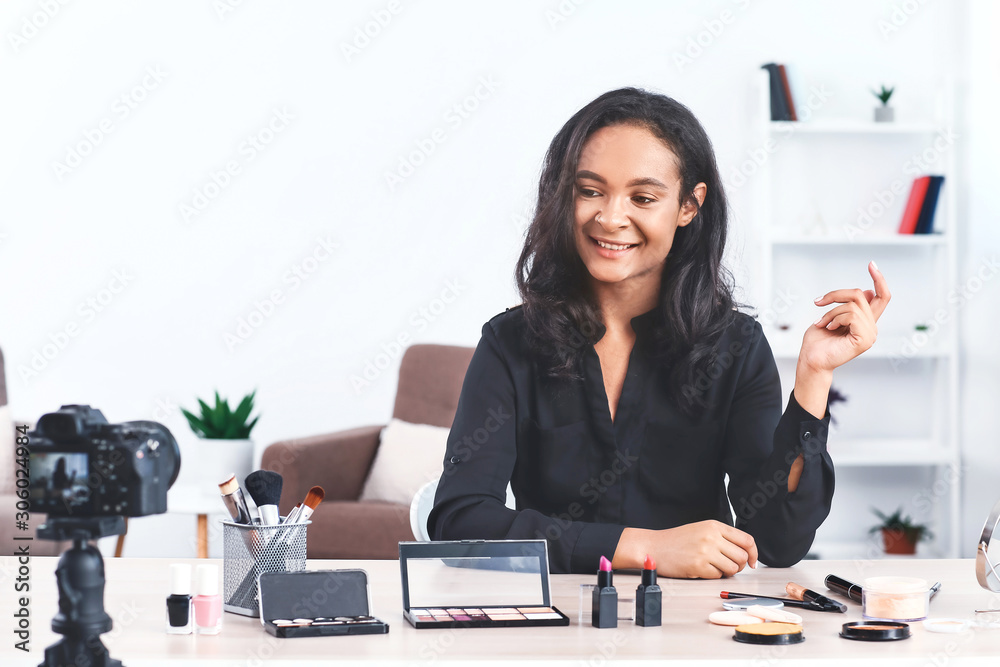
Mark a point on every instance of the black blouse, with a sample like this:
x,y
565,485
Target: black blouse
x,y
580,479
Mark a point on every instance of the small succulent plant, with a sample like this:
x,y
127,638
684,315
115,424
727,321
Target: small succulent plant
x,y
900,524
221,422
884,94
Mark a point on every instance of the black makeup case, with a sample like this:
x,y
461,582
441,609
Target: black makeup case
x,y
336,602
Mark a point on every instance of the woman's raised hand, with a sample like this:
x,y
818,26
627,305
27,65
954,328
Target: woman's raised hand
x,y
847,330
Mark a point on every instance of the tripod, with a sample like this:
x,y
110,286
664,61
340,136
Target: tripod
x,y
81,618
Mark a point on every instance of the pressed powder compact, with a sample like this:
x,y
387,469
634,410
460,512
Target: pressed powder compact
x,y
769,633
875,631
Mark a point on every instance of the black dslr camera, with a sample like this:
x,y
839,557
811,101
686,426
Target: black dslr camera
x,y
88,476
82,466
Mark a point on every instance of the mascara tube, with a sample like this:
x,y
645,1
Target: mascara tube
x,y
844,587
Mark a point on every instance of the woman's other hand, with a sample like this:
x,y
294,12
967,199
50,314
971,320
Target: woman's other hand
x,y
702,550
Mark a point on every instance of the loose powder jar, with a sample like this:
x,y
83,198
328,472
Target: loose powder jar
x,y
895,599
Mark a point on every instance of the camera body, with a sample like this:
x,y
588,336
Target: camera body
x,y
82,466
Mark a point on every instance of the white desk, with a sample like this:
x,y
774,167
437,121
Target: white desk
x,y
137,589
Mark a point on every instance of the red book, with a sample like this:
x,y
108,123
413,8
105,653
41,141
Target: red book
x,y
913,205
788,91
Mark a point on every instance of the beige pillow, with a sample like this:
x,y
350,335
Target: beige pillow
x,y
6,451
408,456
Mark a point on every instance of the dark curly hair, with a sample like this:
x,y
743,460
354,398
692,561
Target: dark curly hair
x,y
696,294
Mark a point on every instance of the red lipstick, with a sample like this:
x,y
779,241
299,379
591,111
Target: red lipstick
x,y
648,597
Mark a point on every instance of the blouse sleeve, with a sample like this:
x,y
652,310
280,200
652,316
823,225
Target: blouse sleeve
x,y
479,463
759,451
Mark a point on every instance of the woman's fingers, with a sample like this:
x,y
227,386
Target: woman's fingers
x,y
829,316
842,296
742,540
882,294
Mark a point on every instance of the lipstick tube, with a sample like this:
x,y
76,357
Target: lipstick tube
x,y
604,612
648,597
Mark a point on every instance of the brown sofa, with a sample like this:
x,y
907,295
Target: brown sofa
x,y
430,381
8,501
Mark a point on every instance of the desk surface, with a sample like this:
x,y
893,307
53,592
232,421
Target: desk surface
x,y
137,588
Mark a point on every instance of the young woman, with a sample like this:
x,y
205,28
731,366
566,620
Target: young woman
x,y
617,398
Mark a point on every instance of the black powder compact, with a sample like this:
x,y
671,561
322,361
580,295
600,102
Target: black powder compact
x,y
875,631
320,603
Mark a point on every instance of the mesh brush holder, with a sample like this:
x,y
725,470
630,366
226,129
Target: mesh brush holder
x,y
251,550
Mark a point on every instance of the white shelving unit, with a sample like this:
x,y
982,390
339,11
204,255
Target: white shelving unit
x,y
818,225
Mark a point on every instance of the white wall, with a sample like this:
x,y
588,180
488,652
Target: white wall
x,y
457,220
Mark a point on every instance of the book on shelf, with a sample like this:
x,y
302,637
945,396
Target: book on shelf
x,y
782,107
911,214
925,224
918,217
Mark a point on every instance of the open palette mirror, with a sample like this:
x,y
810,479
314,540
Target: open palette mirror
x,y
986,571
479,583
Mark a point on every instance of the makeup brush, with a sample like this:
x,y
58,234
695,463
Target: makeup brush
x,y
236,503
264,486
309,505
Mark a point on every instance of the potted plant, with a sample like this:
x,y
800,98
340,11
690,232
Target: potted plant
x,y
884,113
225,446
899,534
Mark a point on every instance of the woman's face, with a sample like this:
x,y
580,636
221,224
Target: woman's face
x,y
627,204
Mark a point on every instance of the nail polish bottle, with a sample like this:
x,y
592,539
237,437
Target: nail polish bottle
x,y
604,612
648,597
179,600
207,603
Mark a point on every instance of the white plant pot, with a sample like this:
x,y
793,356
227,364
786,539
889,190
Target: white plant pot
x,y
884,114
207,461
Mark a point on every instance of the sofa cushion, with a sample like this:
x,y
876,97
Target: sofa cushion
x,y
349,529
6,451
408,456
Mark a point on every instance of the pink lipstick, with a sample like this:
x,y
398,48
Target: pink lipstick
x,y
605,598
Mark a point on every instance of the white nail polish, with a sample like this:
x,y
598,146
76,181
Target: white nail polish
x,y
817,299
816,323
874,265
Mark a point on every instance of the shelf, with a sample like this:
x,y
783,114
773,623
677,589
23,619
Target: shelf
x,y
851,127
786,344
862,240
876,452
863,551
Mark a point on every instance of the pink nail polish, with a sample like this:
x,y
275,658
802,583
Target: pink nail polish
x,y
208,603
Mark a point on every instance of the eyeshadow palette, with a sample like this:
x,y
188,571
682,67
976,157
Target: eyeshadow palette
x,y
477,584
317,603
484,617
